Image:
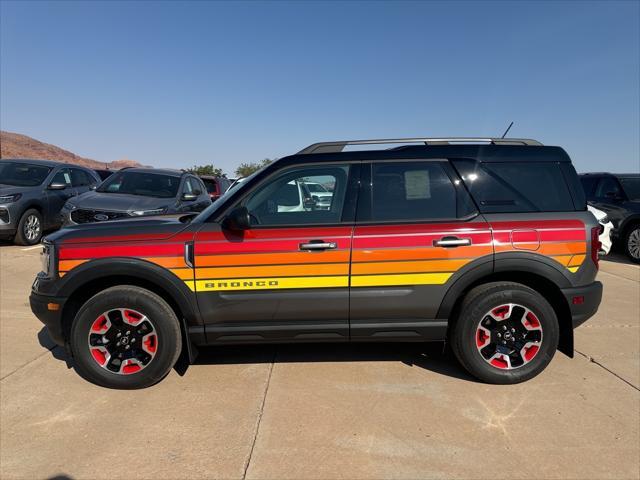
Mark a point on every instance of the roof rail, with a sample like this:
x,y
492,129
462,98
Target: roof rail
x,y
334,147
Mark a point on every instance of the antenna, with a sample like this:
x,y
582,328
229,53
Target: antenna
x,y
507,130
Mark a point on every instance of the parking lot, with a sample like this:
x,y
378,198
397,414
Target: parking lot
x,y
323,411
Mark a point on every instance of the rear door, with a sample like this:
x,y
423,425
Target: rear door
x,y
416,230
287,277
57,198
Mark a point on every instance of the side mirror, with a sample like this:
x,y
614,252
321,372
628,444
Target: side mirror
x,y
189,197
238,219
57,186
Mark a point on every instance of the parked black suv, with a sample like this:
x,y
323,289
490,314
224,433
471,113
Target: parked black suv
x,y
32,192
137,192
422,243
618,194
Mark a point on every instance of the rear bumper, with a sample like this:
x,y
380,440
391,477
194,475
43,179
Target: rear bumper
x,y
582,310
52,319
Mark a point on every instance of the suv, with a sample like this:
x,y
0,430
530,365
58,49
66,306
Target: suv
x,y
32,192
428,242
618,195
216,186
137,192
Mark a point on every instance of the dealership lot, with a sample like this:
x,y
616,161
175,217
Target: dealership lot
x,y
323,411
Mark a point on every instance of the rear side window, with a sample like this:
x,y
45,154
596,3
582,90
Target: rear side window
x,y
516,186
631,186
411,191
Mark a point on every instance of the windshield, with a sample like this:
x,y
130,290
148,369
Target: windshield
x,y
631,187
23,174
146,184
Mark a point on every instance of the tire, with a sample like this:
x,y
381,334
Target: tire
x,y
142,318
632,243
29,230
530,337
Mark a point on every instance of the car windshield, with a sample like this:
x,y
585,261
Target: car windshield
x,y
23,174
631,187
146,184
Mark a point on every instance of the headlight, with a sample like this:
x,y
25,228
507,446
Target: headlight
x,y
155,211
10,198
46,258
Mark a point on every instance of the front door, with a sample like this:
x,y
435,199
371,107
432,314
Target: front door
x,y
287,277
415,231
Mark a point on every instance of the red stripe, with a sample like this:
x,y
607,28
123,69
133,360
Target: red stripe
x,y
204,248
181,237
449,228
274,233
148,250
537,224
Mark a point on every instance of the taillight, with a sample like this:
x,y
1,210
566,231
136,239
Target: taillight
x,y
595,245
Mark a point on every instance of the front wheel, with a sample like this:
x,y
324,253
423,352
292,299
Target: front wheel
x,y
29,228
632,243
125,337
506,333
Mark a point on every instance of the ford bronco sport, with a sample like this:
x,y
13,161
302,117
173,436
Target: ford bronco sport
x,y
484,243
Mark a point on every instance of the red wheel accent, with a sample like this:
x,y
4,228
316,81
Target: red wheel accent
x,y
482,338
101,324
131,317
99,356
499,363
531,321
501,312
530,352
130,368
151,343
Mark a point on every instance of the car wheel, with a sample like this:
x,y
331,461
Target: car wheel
x,y
505,333
29,228
125,337
632,243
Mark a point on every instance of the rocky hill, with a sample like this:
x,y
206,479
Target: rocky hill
x,y
15,145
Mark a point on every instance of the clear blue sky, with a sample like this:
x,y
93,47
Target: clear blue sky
x,y
179,83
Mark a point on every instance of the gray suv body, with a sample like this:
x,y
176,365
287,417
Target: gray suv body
x,y
32,193
136,192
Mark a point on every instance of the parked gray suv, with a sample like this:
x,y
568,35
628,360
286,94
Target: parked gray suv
x,y
136,192
32,193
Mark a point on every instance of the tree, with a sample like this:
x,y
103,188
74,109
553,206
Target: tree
x,y
246,169
207,170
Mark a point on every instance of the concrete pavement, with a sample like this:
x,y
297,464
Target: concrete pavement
x,y
323,411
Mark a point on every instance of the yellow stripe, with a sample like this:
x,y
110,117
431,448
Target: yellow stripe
x,y
573,269
227,284
577,260
408,279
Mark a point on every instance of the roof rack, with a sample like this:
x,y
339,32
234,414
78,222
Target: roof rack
x,y
334,147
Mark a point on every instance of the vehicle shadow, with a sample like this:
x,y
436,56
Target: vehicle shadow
x,y
617,257
434,357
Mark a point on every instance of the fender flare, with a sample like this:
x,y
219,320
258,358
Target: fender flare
x,y
143,270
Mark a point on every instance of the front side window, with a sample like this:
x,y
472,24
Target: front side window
x,y
22,174
411,191
287,199
608,187
63,176
146,184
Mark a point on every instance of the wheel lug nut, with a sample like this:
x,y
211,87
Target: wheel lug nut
x,y
126,347
504,327
119,334
499,335
513,330
504,342
128,332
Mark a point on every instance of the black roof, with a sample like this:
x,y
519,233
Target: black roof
x,y
610,174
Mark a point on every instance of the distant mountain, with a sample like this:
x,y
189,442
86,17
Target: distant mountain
x,y
15,145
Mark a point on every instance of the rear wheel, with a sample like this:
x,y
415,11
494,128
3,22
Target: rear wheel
x,y
632,243
29,230
125,337
505,333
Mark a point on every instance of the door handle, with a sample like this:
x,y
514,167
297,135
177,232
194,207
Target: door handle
x,y
451,242
318,245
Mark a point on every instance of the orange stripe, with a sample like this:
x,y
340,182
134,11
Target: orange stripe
x,y
409,267
65,265
274,271
421,253
577,260
167,262
272,258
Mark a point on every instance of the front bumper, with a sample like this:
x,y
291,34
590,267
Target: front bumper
x,y
583,302
48,309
